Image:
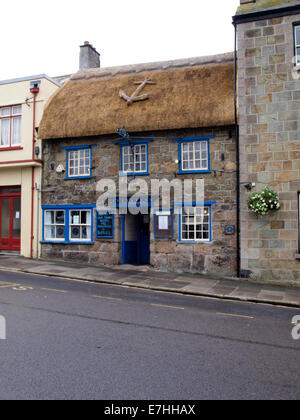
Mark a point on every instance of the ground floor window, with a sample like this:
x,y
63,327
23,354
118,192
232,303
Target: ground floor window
x,y
195,224
68,224
80,225
54,225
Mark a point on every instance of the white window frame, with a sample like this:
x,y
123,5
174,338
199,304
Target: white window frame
x,y
11,117
136,152
76,156
297,46
192,162
80,225
193,213
55,225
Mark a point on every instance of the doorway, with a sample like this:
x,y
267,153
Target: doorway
x,y
136,239
10,218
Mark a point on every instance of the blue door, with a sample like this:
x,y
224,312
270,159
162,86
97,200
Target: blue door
x,y
136,239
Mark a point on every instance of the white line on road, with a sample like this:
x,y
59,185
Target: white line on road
x,y
54,290
235,315
107,298
166,306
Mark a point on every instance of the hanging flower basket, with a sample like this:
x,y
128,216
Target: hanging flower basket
x,y
264,202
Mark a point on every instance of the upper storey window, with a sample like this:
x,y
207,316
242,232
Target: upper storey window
x,y
10,126
297,44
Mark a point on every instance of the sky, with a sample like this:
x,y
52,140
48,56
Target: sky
x,y
40,37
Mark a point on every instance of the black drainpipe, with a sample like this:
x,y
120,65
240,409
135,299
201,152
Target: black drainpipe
x,y
237,142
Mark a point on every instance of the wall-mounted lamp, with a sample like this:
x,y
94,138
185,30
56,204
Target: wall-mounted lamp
x,y
250,186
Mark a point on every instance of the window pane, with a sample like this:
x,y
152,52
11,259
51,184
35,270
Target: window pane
x,y
297,36
75,218
16,137
50,232
60,218
5,112
17,110
5,216
60,232
298,55
5,132
49,217
75,232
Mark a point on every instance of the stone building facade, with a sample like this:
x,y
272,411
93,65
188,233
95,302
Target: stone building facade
x,y
172,118
269,114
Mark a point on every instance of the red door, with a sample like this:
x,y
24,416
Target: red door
x,y
10,219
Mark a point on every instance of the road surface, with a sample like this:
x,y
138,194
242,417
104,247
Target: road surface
x,y
75,340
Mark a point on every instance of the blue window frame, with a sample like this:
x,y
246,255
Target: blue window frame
x,y
194,154
195,223
105,225
68,224
135,158
79,161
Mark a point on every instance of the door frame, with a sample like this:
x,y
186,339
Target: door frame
x,y
139,223
14,244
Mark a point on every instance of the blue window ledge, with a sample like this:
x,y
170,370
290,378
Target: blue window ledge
x,y
66,243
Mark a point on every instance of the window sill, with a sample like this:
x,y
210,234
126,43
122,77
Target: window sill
x,y
77,177
193,172
297,257
194,242
7,149
105,237
134,174
66,243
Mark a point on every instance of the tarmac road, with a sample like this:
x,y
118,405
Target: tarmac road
x,y
75,340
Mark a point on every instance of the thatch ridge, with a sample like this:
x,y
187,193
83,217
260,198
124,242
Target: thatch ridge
x,y
188,93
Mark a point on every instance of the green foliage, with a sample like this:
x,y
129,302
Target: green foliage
x,y
264,202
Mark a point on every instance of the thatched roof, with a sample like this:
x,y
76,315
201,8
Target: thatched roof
x,y
191,93
260,5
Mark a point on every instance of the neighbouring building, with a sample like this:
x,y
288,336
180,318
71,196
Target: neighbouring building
x,y
21,107
181,125
268,57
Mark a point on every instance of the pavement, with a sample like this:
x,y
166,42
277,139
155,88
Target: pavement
x,y
148,278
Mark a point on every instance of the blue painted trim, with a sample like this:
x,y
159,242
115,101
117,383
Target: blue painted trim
x,y
123,238
194,204
74,149
70,206
113,225
122,173
209,241
80,147
135,142
121,204
154,216
192,140
67,209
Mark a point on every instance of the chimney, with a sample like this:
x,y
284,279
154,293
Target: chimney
x,y
89,58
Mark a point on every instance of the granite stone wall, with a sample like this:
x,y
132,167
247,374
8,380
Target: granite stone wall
x,y
269,117
219,256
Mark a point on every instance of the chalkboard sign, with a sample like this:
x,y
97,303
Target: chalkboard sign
x,y
105,225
